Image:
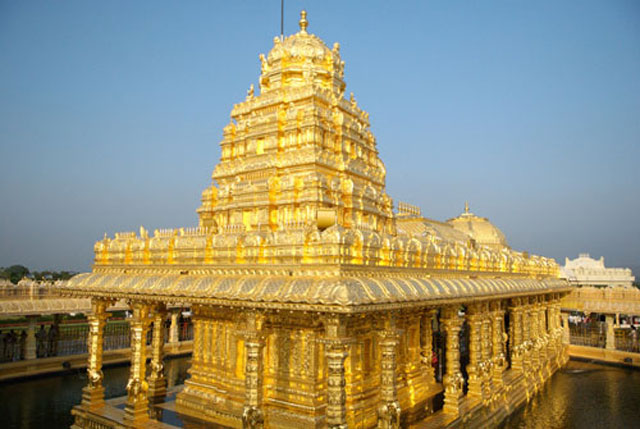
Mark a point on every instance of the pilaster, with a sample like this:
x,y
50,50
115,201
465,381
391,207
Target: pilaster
x,y
252,413
336,345
389,409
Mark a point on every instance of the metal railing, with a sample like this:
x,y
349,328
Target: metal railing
x,y
68,339
594,334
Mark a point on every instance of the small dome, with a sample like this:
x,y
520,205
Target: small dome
x,y
480,229
300,45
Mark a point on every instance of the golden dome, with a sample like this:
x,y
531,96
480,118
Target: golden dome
x,y
301,44
480,229
300,59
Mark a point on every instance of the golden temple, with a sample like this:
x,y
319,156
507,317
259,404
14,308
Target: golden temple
x,y
314,304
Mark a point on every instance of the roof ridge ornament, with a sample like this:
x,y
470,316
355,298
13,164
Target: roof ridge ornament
x,y
303,21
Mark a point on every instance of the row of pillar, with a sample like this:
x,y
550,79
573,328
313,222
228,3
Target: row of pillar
x,y
141,390
534,333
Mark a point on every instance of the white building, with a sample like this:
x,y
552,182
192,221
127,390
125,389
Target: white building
x,y
586,271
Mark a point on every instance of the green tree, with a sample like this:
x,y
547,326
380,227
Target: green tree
x,y
15,273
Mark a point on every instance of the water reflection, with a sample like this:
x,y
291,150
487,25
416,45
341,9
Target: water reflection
x,y
47,402
583,395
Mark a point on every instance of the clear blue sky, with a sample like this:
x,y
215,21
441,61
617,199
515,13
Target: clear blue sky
x,y
111,114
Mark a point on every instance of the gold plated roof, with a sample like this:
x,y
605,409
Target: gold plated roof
x,y
351,291
480,229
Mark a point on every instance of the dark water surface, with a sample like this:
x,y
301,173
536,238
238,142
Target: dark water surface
x,y
46,402
582,395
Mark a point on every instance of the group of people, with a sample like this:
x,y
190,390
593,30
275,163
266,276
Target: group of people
x,y
13,343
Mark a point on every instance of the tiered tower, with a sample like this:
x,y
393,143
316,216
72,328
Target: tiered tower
x,y
299,152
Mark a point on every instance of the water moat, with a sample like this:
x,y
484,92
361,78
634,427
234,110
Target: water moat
x,y
581,395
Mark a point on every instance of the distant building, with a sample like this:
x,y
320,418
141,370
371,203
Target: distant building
x,y
586,271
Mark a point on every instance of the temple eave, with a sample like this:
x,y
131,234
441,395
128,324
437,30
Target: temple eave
x,y
352,294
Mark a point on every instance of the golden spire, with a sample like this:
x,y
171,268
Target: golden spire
x,y
303,21
466,207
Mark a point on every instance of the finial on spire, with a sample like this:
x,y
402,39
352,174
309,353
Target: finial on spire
x,y
303,21
466,207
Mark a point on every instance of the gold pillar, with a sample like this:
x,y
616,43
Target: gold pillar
x,y
136,410
498,340
487,364
93,393
252,414
157,380
453,379
516,334
30,341
389,409
174,336
557,323
474,319
610,342
426,343
536,333
336,343
527,322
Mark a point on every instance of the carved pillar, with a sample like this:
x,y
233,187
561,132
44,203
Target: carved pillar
x,y
474,319
426,343
527,325
610,343
537,332
558,323
487,364
453,379
336,344
157,380
252,414
389,409
30,341
515,333
93,393
136,410
498,340
174,336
